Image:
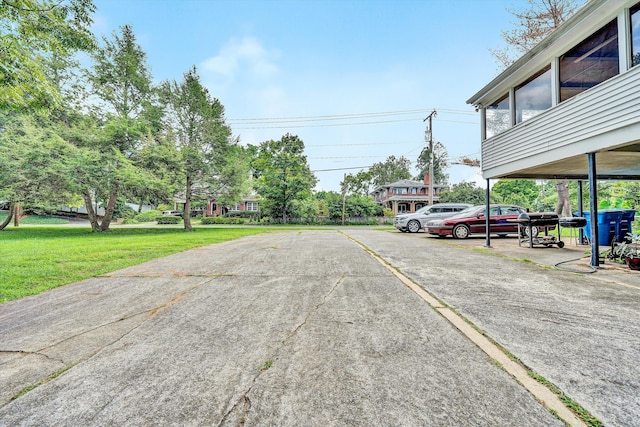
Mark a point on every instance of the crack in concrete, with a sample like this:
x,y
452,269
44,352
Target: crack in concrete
x,y
151,313
244,399
29,353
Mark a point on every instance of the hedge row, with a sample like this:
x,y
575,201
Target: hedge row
x,y
169,220
221,220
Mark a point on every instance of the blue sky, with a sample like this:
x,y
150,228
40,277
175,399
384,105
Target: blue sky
x,y
353,79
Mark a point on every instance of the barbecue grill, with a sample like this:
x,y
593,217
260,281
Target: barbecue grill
x,y
539,220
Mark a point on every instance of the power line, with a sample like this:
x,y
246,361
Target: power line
x,y
293,122
341,169
331,116
347,124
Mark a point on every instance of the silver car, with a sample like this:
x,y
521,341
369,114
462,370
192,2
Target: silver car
x,y
413,222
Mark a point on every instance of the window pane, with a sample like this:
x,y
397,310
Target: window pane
x,y
589,63
498,117
635,34
534,96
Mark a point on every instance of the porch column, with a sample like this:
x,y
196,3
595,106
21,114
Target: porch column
x,y
487,215
593,208
580,211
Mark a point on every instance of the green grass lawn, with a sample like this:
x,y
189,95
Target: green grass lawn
x,y
36,219
38,258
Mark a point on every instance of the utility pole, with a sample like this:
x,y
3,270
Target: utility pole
x,y
428,137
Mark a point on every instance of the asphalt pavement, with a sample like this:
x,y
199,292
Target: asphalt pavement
x,y
320,328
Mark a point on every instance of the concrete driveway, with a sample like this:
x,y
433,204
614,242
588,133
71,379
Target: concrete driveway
x,y
309,328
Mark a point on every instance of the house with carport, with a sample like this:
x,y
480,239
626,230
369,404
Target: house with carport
x,y
570,107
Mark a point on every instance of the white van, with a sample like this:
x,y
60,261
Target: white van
x,y
414,222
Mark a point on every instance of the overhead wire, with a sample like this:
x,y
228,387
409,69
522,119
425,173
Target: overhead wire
x,y
293,122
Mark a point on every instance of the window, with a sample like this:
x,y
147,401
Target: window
x,y
252,206
236,207
635,34
510,210
533,96
414,190
400,190
590,62
498,117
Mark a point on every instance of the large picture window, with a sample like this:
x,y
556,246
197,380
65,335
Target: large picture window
x,y
590,63
534,96
498,117
635,34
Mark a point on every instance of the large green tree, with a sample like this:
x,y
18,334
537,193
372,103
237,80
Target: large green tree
x,y
359,183
122,83
32,32
464,192
206,154
283,175
523,192
440,163
34,164
391,170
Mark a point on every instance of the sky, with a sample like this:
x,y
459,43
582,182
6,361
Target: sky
x,y
354,79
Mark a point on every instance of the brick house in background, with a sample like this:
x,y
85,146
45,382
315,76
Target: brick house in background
x,y
406,195
248,204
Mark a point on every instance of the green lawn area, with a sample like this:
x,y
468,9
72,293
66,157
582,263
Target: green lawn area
x,y
36,219
38,258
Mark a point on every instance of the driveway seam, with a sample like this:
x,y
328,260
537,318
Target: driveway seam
x,y
545,396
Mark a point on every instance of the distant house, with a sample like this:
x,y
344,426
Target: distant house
x,y
248,204
406,195
570,107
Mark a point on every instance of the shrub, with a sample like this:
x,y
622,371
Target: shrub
x,y
221,220
126,212
169,219
148,216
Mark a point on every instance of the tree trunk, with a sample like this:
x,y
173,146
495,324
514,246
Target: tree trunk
x,y
17,213
186,215
93,218
111,207
564,203
7,221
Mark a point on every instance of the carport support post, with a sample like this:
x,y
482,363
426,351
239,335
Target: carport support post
x,y
593,208
580,212
487,212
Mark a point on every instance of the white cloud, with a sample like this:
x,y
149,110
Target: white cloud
x,y
242,55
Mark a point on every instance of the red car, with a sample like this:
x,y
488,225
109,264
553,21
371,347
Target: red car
x,y
473,220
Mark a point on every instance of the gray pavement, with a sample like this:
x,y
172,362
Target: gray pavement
x,y
307,328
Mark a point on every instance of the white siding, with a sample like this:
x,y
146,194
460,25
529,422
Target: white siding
x,y
576,126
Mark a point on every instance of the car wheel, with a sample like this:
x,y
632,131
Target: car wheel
x,y
461,231
413,226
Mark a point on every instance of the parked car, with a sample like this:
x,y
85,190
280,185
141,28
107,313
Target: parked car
x,y
473,220
171,213
414,222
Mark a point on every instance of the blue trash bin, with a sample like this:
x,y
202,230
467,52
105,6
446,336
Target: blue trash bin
x,y
608,223
626,224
